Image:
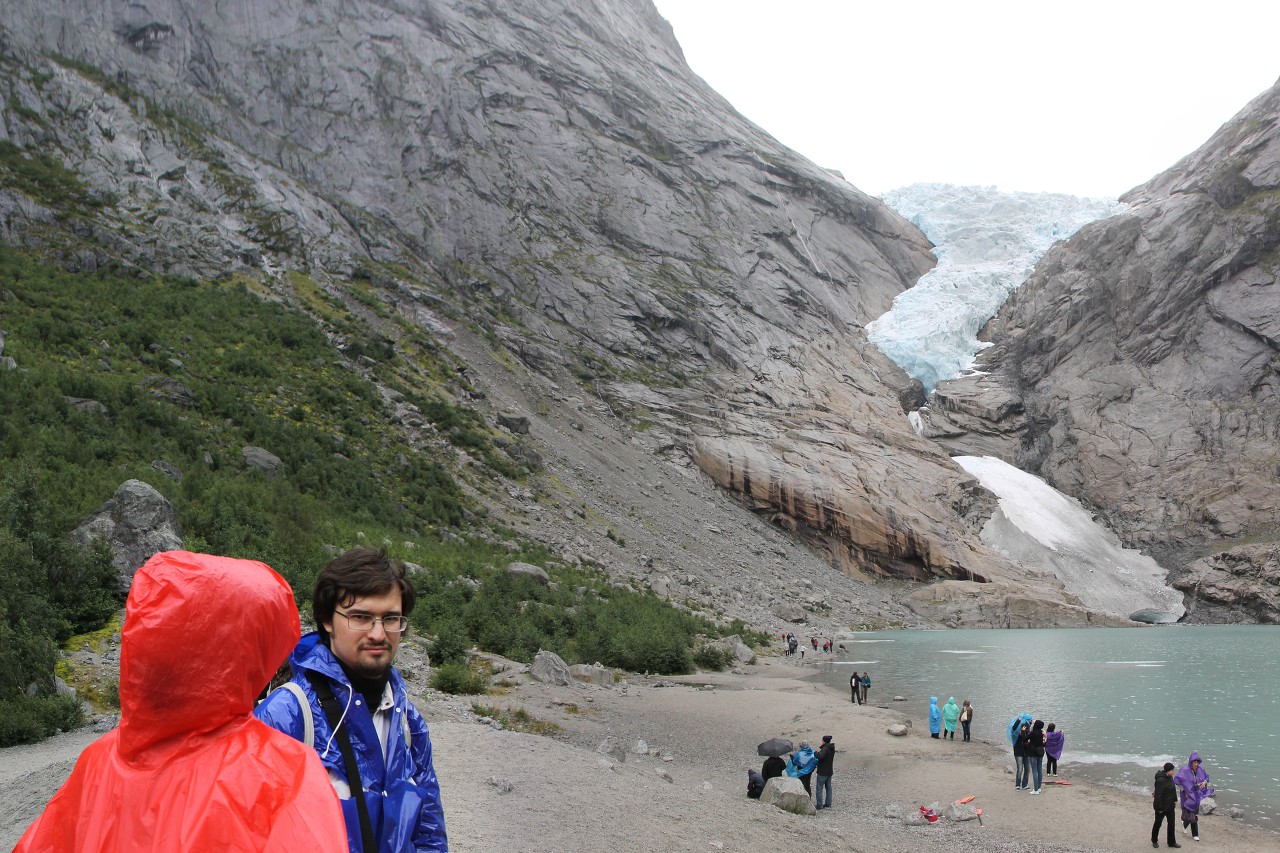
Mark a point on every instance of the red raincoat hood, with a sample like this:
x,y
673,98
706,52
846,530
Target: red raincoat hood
x,y
202,637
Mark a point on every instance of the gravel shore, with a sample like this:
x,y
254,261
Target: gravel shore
x,y
507,790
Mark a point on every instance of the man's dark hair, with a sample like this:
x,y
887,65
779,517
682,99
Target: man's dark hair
x,y
355,574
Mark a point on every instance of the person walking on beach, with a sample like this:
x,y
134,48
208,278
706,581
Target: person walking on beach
x,y
855,688
802,764
1021,760
1193,787
966,717
935,717
950,716
189,768
826,766
1164,799
1053,741
865,685
1035,749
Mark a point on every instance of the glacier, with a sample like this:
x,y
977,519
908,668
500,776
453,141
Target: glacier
x,y
1043,528
987,243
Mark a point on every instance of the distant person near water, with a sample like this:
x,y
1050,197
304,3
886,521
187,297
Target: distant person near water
x,y
950,716
865,684
1053,742
189,768
825,769
1022,757
1164,799
1193,788
935,717
1035,748
855,688
966,717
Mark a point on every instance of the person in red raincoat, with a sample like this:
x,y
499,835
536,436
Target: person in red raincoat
x,y
190,768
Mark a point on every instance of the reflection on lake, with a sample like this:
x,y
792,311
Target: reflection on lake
x,y
1128,699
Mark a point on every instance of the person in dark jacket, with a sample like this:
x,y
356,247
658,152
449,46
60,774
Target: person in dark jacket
x,y
855,688
755,784
1035,751
1164,800
826,765
774,765
1021,760
361,603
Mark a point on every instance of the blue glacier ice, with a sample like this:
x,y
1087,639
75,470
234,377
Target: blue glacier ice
x,y
987,243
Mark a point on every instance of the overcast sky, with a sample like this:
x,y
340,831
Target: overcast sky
x,y
1082,97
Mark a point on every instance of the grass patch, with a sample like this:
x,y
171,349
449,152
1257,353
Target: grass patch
x,y
517,720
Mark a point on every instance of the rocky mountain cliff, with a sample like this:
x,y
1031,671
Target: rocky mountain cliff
x,y
547,189
1139,369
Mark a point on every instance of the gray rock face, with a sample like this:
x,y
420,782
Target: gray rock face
x,y
1241,584
550,668
787,794
619,210
517,569
137,522
1144,352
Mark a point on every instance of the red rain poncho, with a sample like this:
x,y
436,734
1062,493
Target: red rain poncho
x,y
189,768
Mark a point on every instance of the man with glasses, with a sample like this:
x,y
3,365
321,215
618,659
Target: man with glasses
x,y
350,704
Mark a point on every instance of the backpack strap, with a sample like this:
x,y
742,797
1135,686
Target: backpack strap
x,y
308,722
329,703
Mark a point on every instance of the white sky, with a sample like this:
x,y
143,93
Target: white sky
x,y
1077,96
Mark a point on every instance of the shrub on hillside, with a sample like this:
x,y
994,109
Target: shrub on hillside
x,y
457,678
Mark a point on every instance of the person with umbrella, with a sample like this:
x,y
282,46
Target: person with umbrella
x,y
774,765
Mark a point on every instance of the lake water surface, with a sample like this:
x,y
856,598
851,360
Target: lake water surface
x,y
1128,699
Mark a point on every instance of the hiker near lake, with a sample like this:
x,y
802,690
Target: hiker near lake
x,y
347,695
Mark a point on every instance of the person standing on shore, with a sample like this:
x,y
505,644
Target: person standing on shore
x,y
935,717
966,717
1164,799
865,685
1021,760
855,688
802,764
950,716
1053,741
1035,749
1193,787
826,766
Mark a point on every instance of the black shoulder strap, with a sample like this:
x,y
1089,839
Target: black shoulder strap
x,y
329,703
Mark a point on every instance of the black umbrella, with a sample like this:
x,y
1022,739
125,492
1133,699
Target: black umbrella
x,y
774,746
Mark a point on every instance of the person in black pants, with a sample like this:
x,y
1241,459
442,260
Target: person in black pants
x,y
1165,801
854,685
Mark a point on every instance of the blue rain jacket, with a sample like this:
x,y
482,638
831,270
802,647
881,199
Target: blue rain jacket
x,y
802,763
935,716
402,793
1016,723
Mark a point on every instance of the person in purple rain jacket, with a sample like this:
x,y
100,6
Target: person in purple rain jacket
x,y
1053,741
1193,787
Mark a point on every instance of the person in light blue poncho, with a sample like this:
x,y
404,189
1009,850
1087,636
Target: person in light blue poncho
x,y
935,717
802,764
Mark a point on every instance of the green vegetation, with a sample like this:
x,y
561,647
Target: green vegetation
x,y
458,678
49,590
516,719
579,616
43,177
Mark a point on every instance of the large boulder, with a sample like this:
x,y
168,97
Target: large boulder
x,y
550,668
136,522
787,794
260,459
518,569
596,673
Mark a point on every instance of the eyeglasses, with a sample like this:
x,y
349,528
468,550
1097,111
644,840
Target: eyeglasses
x,y
365,622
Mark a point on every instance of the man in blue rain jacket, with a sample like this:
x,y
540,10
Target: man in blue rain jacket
x,y
361,604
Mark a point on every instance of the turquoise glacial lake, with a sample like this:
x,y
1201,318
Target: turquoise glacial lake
x,y
1128,699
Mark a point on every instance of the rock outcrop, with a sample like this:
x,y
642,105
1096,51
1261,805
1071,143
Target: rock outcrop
x,y
1241,584
1138,369
136,523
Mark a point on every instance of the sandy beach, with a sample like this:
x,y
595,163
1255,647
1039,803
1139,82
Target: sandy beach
x,y
568,797
506,790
